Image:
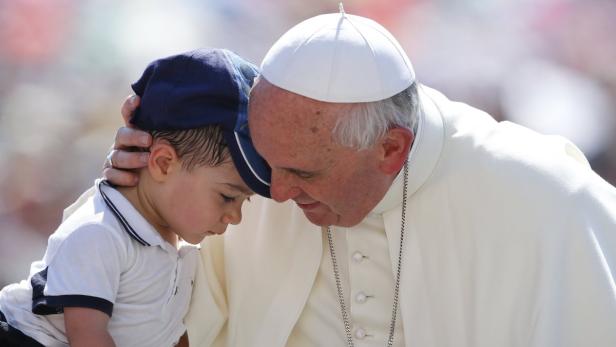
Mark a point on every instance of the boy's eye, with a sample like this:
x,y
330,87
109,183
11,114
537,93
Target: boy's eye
x,y
226,198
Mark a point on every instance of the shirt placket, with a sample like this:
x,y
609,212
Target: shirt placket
x,y
370,282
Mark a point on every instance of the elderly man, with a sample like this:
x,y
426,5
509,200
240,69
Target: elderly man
x,y
410,220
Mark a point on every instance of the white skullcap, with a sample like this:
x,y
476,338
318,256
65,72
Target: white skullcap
x,y
338,57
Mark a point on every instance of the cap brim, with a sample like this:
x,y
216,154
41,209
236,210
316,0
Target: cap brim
x,y
253,169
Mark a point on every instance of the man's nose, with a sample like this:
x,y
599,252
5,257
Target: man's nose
x,y
283,186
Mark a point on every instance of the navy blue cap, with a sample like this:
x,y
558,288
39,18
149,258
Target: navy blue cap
x,y
200,88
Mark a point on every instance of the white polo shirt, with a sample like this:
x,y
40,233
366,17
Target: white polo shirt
x,y
107,257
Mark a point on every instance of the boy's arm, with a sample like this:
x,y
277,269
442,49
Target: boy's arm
x,y
87,327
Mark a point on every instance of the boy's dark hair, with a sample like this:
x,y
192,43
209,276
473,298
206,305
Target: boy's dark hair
x,y
196,147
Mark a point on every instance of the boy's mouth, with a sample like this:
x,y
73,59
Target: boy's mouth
x,y
210,232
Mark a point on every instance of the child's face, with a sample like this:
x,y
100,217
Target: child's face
x,y
202,201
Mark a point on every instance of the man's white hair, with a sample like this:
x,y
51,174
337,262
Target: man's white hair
x,y
367,122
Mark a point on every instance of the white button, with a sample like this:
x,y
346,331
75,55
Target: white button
x,y
358,257
360,333
361,297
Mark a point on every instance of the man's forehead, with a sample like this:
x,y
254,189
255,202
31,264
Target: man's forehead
x,y
286,138
286,127
282,107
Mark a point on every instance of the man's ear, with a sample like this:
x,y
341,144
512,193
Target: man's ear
x,y
394,148
163,160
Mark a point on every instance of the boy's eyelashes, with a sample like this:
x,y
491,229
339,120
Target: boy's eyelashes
x,y
229,199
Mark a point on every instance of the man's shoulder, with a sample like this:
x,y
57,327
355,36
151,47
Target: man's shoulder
x,y
514,151
484,155
475,140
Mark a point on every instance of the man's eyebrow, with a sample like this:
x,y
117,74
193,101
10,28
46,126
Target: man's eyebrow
x,y
299,172
244,190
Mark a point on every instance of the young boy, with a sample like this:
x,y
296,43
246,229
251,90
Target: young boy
x,y
115,273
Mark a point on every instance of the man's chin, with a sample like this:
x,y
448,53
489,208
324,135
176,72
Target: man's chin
x,y
324,219
321,218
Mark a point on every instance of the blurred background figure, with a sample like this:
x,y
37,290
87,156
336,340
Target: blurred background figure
x,y
66,66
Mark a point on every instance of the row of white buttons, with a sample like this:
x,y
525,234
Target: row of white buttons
x,y
358,257
360,333
360,297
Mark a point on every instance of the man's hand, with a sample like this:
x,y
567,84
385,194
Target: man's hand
x,y
120,160
87,327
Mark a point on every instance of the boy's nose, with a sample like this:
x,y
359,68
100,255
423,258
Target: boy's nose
x,y
233,216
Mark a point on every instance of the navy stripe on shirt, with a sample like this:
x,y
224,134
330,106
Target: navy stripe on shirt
x,y
46,305
119,215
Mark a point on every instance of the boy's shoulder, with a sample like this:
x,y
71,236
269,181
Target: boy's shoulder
x,y
93,220
104,210
89,233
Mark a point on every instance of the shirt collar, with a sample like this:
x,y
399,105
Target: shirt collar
x,y
129,218
424,154
393,197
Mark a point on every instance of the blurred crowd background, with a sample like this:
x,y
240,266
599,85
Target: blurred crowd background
x,y
66,66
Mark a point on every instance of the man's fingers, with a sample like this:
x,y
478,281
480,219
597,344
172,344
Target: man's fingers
x,y
120,160
129,137
128,108
121,177
128,160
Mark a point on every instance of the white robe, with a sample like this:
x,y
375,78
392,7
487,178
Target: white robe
x,y
511,241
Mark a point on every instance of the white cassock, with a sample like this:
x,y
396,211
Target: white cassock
x,y
510,241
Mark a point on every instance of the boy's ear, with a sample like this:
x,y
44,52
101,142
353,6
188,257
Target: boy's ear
x,y
163,160
394,148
